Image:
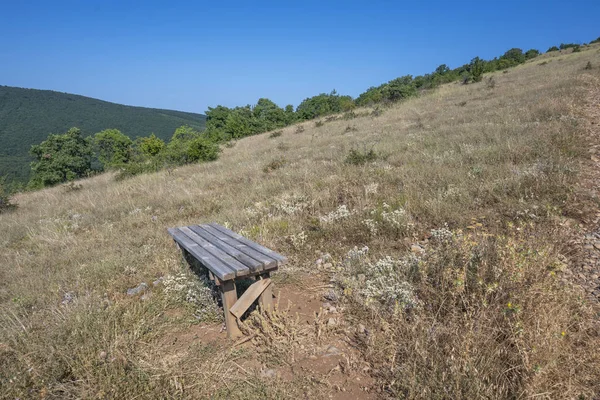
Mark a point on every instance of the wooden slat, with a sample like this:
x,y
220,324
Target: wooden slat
x,y
233,264
208,260
266,261
251,294
245,259
281,260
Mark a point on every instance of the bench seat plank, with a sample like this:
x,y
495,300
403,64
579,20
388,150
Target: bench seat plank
x,y
281,260
265,261
208,260
237,267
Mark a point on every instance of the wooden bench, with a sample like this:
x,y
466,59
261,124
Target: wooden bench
x,y
228,257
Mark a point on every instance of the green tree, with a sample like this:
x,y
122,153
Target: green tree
x,y
150,146
202,149
514,56
268,115
61,158
476,68
399,88
531,53
6,203
114,148
553,48
177,149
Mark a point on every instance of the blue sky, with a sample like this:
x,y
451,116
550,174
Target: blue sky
x,y
191,55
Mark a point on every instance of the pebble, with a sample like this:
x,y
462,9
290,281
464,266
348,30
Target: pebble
x,y
415,248
138,289
361,329
331,322
268,373
158,281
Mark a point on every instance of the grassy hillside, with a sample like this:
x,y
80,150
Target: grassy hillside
x,y
433,249
28,116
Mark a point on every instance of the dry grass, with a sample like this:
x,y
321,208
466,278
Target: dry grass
x,y
496,164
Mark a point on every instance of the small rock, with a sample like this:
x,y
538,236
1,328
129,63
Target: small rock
x,y
158,281
102,356
138,289
416,249
331,322
312,357
332,351
326,305
331,295
361,328
597,245
333,310
319,262
268,373
328,265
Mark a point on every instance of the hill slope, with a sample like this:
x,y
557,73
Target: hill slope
x,y
438,266
28,116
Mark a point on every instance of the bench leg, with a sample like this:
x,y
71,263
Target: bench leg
x,y
265,301
229,297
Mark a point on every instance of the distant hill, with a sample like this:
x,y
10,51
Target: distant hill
x,y
28,116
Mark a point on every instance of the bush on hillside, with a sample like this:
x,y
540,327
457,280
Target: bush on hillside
x,y
476,68
150,146
6,203
553,48
202,149
113,147
357,157
61,158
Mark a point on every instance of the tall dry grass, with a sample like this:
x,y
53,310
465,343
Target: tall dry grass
x,y
495,167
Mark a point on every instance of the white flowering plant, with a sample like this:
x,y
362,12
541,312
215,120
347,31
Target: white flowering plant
x,y
195,291
382,285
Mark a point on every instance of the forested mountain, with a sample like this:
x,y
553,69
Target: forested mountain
x,y
27,116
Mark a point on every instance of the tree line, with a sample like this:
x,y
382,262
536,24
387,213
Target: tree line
x,y
69,156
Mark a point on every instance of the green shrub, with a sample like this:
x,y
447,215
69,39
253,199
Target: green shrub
x,y
150,146
275,134
357,157
349,115
113,147
491,83
588,65
319,123
6,203
202,149
476,68
553,48
61,158
274,165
